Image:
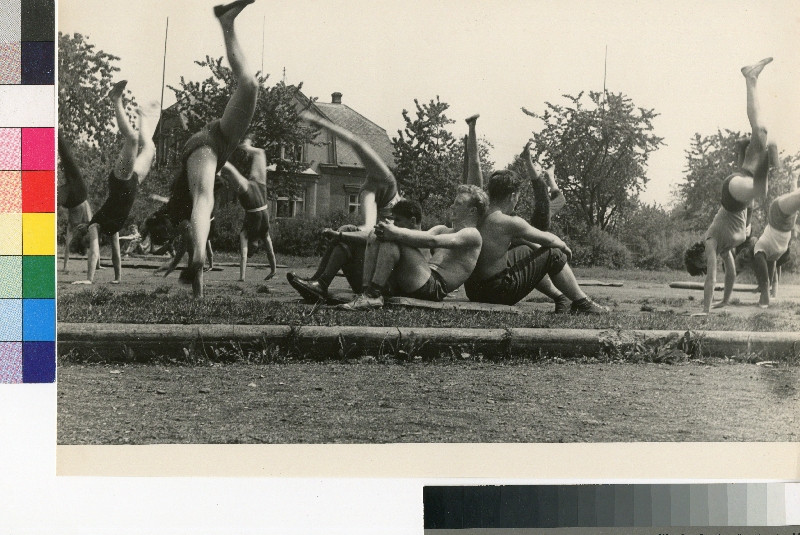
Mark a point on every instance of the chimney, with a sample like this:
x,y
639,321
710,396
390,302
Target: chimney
x,y
336,98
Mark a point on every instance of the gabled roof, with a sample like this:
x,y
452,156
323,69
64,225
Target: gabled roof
x,y
346,117
339,114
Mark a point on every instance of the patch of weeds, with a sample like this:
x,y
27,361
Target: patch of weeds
x,y
195,355
346,349
100,296
405,349
634,347
764,321
750,357
161,290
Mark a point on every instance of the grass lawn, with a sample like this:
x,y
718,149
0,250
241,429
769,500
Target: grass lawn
x,y
163,306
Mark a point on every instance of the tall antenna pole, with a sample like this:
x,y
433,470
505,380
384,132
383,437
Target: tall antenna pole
x,y
163,79
263,23
605,71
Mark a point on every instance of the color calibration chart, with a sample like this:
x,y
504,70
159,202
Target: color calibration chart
x,y
717,508
27,191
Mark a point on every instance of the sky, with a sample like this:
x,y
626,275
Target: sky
x,y
680,58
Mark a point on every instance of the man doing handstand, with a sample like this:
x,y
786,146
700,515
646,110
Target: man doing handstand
x,y
130,169
253,198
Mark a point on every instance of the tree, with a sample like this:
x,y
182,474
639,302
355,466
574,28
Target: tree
x,y
709,161
85,116
275,127
85,76
426,152
430,159
600,152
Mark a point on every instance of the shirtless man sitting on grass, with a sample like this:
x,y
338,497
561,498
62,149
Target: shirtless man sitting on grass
x,y
509,267
401,255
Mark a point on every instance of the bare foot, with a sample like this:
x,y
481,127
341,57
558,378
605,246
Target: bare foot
x,y
115,281
82,282
472,118
227,12
752,71
117,90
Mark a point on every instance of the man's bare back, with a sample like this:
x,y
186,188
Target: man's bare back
x,y
498,231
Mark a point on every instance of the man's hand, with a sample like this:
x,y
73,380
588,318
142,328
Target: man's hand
x,y
567,251
330,234
385,231
526,150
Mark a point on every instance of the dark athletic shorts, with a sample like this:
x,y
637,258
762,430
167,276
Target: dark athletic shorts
x,y
433,290
72,194
526,268
256,225
112,215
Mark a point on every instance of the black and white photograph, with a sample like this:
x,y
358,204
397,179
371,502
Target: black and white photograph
x,y
427,222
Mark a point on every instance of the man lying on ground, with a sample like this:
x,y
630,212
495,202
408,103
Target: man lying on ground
x,y
399,254
349,244
505,276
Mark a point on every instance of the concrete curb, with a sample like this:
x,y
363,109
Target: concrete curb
x,y
137,341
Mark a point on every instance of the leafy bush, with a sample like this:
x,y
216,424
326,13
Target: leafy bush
x,y
597,247
655,238
302,236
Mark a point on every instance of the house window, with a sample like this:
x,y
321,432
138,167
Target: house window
x,y
293,153
290,207
353,203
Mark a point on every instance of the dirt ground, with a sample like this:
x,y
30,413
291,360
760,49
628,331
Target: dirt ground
x,y
648,289
369,402
464,401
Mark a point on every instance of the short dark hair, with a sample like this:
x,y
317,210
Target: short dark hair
x,y
695,259
502,184
159,226
408,208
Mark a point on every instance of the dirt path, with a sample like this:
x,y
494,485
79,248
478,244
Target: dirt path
x,y
422,402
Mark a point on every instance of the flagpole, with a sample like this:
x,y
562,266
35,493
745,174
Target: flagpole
x,y
263,23
163,79
605,71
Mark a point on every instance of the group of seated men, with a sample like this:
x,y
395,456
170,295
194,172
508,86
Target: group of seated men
x,y
496,255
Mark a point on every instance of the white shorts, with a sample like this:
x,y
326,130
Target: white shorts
x,y
773,243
